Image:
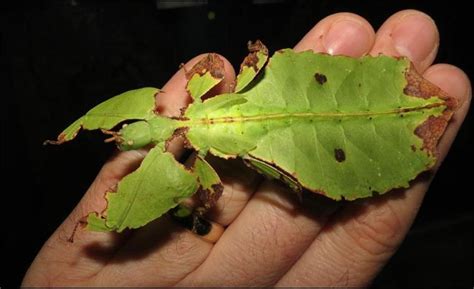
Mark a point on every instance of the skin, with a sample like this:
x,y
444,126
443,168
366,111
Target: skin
x,y
270,239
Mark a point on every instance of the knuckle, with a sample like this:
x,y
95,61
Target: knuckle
x,y
376,232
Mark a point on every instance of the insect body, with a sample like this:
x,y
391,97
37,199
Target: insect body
x,y
327,124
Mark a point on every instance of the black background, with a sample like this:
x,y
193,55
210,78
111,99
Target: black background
x,y
59,58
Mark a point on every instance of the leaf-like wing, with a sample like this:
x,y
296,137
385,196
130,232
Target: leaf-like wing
x,y
157,186
343,127
204,75
252,64
131,105
211,186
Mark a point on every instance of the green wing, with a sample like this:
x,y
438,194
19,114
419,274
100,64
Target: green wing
x,y
135,104
252,65
342,127
157,186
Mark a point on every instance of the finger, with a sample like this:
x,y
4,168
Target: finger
x,y
409,33
355,245
340,33
264,240
91,250
255,225
456,83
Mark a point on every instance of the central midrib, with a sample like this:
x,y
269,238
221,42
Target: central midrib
x,y
324,115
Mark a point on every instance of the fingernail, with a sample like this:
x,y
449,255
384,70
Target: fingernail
x,y
347,37
451,80
415,37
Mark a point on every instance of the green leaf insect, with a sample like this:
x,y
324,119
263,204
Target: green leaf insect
x,y
343,127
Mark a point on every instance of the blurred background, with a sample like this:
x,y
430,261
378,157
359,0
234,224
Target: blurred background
x,y
60,58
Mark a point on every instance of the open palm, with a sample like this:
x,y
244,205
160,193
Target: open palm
x,y
270,237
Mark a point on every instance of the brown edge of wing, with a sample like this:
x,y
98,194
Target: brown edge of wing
x,y
251,59
212,63
431,130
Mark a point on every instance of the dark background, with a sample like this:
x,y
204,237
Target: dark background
x,y
60,58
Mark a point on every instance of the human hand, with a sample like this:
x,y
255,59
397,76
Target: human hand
x,y
271,239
